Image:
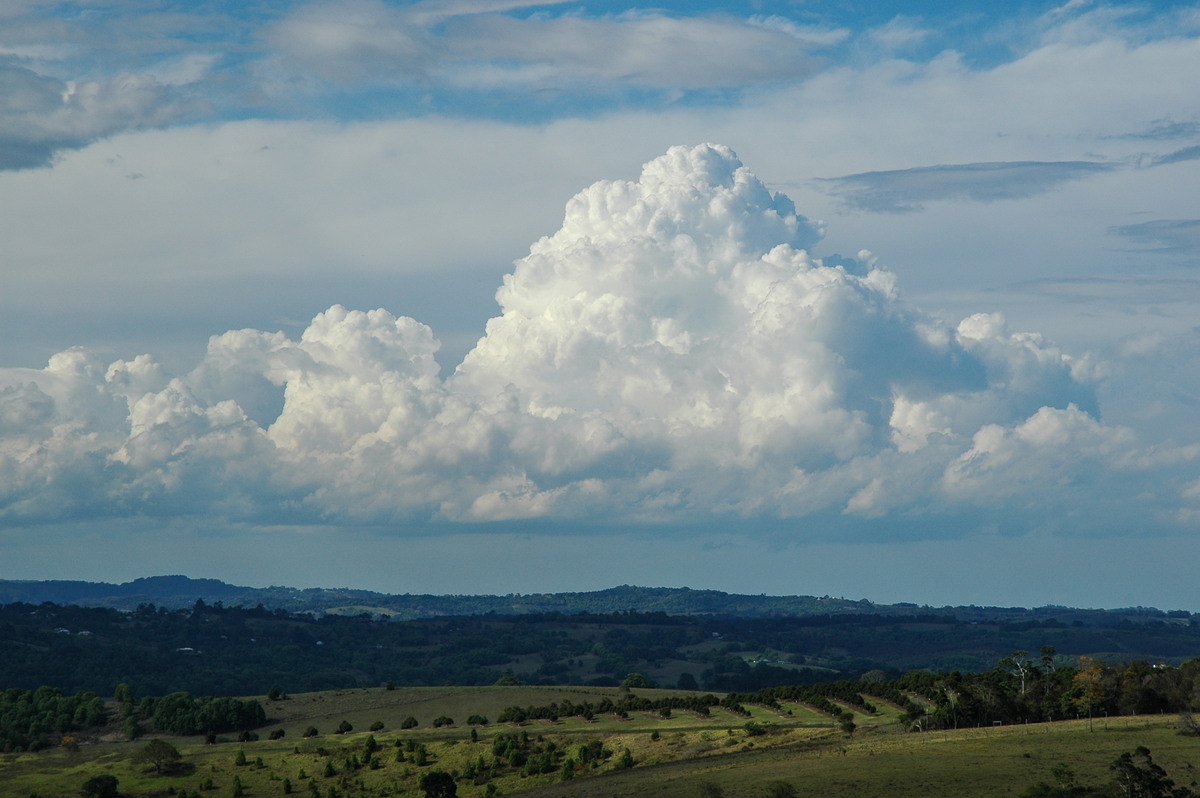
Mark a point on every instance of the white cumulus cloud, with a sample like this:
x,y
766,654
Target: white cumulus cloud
x,y
672,353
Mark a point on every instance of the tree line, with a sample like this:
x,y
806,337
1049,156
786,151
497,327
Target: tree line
x,y
34,719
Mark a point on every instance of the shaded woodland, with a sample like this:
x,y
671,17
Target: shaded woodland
x,y
235,651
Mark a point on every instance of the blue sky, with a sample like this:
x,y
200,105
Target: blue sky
x,y
880,300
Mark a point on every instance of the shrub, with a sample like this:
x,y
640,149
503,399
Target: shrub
x,y
754,729
100,787
780,789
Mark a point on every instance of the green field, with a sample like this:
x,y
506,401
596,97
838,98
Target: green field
x,y
684,755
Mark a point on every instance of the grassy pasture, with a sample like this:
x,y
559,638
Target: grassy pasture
x,y
684,755
974,763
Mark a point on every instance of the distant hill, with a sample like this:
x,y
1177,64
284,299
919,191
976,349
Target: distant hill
x,y
179,592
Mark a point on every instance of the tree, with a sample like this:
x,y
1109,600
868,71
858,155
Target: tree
x,y
132,728
124,696
344,727
158,753
687,682
1089,686
1139,777
1187,724
636,679
1018,664
100,787
438,784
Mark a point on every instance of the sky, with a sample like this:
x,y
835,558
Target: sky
x,y
883,300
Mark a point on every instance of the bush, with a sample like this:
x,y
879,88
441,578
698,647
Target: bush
x,y
311,731
100,787
438,784
409,723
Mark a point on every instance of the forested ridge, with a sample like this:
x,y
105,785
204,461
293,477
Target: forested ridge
x,y
180,592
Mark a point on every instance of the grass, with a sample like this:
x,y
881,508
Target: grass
x,y
684,755
980,763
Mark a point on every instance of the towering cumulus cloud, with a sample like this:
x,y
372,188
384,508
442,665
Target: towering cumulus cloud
x,y
673,354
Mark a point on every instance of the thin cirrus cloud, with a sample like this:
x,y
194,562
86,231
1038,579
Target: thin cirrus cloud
x,y
907,190
1168,236
639,49
1179,156
479,46
672,355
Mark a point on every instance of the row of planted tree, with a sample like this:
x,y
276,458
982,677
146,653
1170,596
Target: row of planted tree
x,y
1020,689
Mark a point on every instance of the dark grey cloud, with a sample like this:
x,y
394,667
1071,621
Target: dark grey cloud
x,y
906,190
